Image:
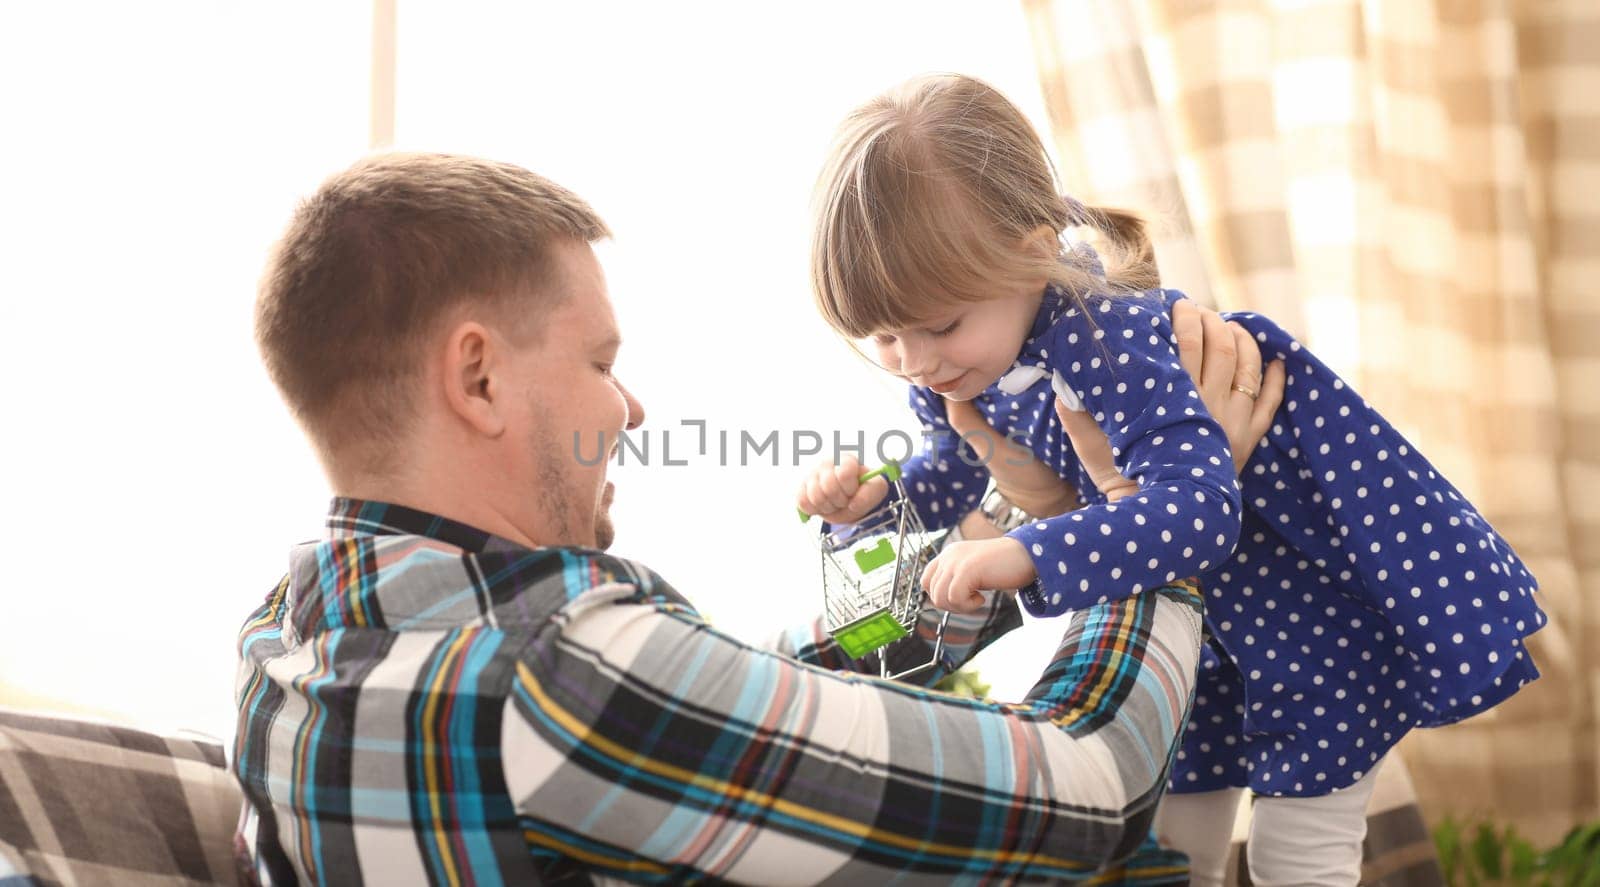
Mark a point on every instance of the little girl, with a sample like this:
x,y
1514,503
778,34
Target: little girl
x,y
1353,592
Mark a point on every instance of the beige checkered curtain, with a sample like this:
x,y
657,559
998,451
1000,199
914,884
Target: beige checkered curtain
x,y
1413,186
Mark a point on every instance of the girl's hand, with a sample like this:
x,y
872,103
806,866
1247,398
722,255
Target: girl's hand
x,y
956,579
835,493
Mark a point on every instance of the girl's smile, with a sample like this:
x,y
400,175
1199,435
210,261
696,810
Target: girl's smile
x,y
964,350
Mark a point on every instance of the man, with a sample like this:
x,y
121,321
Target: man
x,y
458,685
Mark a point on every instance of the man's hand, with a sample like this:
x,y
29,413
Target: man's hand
x,y
1094,453
1221,358
1031,485
836,494
956,579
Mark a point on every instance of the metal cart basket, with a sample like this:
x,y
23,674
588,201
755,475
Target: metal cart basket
x,y
872,577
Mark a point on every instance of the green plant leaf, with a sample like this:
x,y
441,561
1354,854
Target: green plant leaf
x,y
965,682
1487,853
1567,857
1487,850
1591,866
1586,837
1447,841
1523,858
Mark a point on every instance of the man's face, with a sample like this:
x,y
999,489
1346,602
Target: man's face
x,y
962,350
568,408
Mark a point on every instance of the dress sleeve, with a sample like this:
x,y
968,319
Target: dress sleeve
x,y
1118,358
1392,519
648,745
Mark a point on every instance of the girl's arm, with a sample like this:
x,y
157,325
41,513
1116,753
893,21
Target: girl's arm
x,y
1223,361
1120,364
945,479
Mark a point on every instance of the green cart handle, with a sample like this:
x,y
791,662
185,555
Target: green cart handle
x,y
889,471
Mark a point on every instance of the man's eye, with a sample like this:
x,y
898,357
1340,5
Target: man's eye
x,y
604,368
949,329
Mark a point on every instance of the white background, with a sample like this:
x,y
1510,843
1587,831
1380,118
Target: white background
x,y
153,483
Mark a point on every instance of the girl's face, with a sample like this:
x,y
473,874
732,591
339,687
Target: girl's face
x,y
962,350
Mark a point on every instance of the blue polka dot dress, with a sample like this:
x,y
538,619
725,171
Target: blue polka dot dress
x,y
1352,592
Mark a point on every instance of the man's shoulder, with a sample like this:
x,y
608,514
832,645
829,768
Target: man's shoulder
x,y
406,583
561,575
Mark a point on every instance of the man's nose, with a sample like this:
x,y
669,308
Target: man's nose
x,y
635,408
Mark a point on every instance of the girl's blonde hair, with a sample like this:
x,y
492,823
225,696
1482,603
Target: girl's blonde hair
x,y
931,197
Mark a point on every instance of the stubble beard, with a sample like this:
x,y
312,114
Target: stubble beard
x,y
556,494
554,497
604,532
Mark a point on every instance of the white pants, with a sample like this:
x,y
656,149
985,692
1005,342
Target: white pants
x,y
1307,842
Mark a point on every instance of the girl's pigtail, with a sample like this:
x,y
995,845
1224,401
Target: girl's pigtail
x,y
1128,252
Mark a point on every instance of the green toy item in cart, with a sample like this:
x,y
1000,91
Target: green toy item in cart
x,y
870,559
870,633
873,597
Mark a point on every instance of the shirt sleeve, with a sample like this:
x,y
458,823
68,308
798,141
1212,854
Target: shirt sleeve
x,y
648,745
1119,357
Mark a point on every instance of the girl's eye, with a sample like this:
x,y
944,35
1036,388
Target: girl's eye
x,y
949,329
883,340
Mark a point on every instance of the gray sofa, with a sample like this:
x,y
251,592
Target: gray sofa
x,y
88,803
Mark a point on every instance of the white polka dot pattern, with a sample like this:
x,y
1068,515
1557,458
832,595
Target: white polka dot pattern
x,y
1365,597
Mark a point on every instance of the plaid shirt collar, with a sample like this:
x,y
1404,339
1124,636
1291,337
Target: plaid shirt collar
x,y
349,518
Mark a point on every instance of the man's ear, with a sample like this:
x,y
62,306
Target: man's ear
x,y
475,377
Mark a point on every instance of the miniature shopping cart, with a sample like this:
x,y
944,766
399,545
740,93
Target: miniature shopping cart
x,y
872,577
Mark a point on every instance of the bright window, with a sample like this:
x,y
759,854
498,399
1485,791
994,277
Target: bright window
x,y
154,483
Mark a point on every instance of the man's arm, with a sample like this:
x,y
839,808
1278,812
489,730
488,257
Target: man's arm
x,y
640,741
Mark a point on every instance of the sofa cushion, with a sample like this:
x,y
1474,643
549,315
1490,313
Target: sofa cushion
x,y
98,804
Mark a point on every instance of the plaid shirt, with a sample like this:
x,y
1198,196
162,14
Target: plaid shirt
x,y
422,702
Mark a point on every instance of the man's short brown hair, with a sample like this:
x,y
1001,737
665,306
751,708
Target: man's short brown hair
x,y
374,260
